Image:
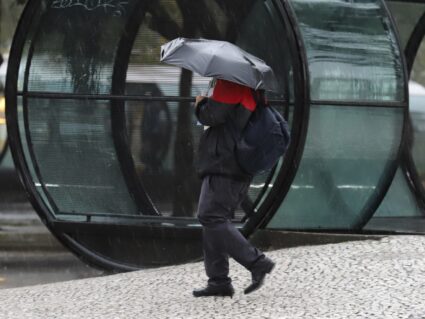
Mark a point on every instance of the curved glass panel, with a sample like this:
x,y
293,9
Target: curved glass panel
x,y
345,43
352,56
25,55
399,200
75,45
399,210
151,127
345,157
70,140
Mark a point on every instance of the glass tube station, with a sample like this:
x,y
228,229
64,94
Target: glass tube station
x,y
104,137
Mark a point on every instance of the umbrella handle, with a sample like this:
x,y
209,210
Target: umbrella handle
x,y
211,84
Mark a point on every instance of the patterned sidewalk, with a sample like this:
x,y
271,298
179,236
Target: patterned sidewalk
x,y
366,279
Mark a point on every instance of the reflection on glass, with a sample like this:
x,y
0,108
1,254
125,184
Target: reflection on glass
x,y
151,130
273,48
75,47
29,35
25,142
72,145
345,157
399,200
351,49
399,210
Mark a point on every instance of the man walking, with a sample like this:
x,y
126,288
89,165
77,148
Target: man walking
x,y
224,185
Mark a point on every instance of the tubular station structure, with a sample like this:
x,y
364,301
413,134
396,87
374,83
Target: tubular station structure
x,y
104,136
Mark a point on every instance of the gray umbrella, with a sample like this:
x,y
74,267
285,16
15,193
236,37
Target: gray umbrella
x,y
220,59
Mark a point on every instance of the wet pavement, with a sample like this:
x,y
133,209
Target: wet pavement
x,y
27,268
30,255
362,279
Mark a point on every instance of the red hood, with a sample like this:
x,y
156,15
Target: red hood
x,y
233,93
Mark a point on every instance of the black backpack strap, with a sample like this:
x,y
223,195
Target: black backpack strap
x,y
247,206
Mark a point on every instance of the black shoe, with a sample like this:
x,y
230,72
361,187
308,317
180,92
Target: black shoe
x,y
210,290
259,274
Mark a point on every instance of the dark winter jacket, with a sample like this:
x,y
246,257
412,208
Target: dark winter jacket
x,y
226,113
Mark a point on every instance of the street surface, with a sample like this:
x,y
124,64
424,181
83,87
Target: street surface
x,y
24,268
30,255
360,279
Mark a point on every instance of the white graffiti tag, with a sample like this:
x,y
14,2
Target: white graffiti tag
x,y
115,6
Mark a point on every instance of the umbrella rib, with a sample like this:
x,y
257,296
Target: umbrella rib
x,y
210,61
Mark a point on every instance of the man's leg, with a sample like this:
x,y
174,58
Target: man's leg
x,y
230,194
238,247
220,196
243,252
216,259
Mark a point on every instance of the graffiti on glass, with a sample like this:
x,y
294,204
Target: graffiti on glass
x,y
115,6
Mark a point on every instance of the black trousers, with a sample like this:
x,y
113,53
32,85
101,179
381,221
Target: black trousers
x,y
220,196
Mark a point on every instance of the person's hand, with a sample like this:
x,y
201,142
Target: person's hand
x,y
199,98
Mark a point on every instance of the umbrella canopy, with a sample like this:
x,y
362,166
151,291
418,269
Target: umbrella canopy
x,y
220,59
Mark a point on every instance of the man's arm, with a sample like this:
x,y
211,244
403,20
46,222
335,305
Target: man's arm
x,y
210,112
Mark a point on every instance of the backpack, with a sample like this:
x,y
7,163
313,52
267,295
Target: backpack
x,y
264,139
